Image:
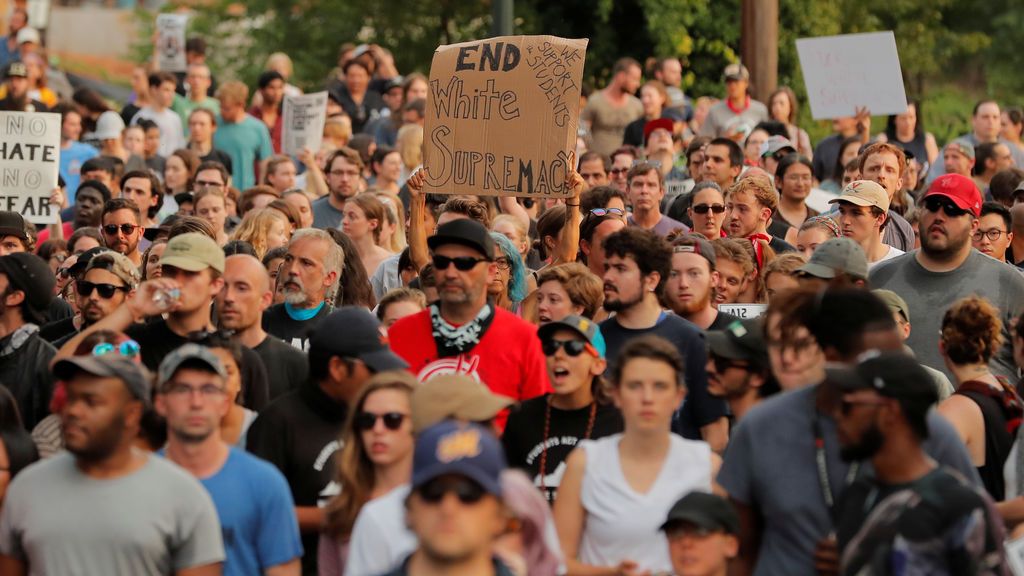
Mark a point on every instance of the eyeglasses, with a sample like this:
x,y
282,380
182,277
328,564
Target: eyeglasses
x,y
85,288
467,491
462,263
126,229
704,208
206,390
572,348
723,364
992,234
128,349
367,420
604,211
503,263
934,203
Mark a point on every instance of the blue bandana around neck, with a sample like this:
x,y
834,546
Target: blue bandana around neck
x,y
302,314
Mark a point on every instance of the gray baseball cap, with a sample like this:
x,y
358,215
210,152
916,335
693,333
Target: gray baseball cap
x,y
186,353
135,376
837,256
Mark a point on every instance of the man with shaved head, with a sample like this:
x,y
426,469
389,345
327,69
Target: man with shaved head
x,y
240,305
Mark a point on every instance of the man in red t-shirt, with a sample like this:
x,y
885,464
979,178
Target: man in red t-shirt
x,y
463,333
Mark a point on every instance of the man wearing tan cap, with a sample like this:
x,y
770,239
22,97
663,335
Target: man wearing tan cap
x,y
380,537
863,215
737,114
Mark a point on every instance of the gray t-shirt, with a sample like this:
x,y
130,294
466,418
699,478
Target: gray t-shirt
x,y
722,120
608,122
930,294
155,521
770,466
324,215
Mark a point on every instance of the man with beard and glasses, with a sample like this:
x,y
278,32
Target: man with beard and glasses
x,y
108,279
122,228
787,520
310,274
104,506
240,305
738,367
463,333
637,265
254,504
690,289
912,513
947,268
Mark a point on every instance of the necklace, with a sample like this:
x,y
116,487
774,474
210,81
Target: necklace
x,y
547,430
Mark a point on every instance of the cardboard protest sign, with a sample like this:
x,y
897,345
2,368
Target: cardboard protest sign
x,y
845,72
170,44
502,116
303,123
29,162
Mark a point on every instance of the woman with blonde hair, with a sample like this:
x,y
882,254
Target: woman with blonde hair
x,y
409,144
265,229
363,217
375,459
515,230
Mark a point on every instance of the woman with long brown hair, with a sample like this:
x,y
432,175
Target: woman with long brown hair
x,y
376,458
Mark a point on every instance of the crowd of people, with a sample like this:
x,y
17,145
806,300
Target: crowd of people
x,y
724,351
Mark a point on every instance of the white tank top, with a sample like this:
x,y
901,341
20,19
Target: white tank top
x,y
622,524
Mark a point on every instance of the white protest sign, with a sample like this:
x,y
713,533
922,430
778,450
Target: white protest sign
x,y
842,73
1015,556
303,122
29,162
170,44
743,311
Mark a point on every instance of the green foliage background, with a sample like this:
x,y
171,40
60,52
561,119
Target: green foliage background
x,y
951,51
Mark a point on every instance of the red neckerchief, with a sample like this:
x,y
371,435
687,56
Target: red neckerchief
x,y
746,104
758,248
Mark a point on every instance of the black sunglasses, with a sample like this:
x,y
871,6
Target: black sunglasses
x,y
934,203
467,491
703,208
723,364
85,288
462,263
367,420
572,347
112,229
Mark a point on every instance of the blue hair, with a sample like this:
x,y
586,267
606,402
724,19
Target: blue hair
x,y
517,270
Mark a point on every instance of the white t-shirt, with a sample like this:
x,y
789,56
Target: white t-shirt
x,y
892,253
380,538
172,135
622,524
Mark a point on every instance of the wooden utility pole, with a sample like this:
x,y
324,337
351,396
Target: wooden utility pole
x,y
759,39
503,14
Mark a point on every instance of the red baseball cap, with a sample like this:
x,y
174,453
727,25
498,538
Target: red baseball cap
x,y
958,188
655,124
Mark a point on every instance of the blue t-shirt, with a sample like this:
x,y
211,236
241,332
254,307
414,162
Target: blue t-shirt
x,y
247,142
71,160
256,512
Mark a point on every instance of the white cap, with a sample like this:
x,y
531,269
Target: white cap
x,y
28,35
109,126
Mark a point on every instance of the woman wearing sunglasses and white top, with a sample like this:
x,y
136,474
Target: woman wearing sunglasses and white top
x,y
376,458
616,491
707,210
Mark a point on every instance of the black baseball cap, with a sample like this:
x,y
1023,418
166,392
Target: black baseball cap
x,y
12,224
891,374
740,340
704,510
32,275
354,332
84,258
465,232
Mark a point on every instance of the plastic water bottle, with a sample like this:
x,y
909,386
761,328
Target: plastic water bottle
x,y
164,299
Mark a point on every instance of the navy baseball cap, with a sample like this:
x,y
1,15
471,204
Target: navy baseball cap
x,y
460,448
354,332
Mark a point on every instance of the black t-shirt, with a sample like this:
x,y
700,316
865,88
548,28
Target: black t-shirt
x,y
128,112
298,433
939,520
218,156
287,366
57,330
699,408
157,340
524,437
277,322
58,309
722,321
